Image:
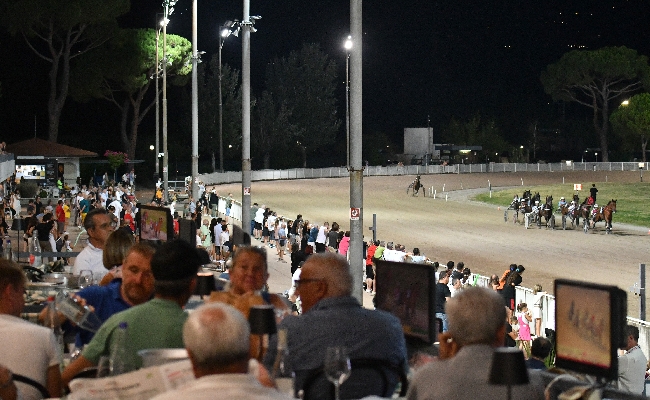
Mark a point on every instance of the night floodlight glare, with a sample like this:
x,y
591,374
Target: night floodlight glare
x,y
348,43
255,17
225,32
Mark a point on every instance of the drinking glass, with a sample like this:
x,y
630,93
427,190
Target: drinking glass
x,y
103,367
85,278
337,367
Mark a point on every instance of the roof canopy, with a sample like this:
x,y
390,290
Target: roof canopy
x,y
36,147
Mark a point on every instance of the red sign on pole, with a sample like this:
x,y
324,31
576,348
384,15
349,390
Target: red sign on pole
x,y
355,213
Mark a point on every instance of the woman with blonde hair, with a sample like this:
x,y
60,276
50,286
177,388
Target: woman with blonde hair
x,y
116,248
538,307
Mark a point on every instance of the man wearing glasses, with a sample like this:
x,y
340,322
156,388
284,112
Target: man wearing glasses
x,y
332,317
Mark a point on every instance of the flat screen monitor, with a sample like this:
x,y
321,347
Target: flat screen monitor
x,y
156,224
30,171
407,291
590,324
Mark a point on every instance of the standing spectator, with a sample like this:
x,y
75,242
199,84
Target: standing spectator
x,y
44,229
259,221
213,203
593,191
632,364
443,294
282,241
508,292
296,229
60,217
27,349
345,244
524,318
228,205
321,237
333,237
538,307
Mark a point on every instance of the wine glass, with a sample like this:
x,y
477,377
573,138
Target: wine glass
x,y
337,367
85,278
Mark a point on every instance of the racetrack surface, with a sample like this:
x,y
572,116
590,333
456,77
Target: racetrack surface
x,y
459,229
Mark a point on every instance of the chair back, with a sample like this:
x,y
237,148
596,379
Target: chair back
x,y
368,377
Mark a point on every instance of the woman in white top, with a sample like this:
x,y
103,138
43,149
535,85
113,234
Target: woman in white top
x,y
538,306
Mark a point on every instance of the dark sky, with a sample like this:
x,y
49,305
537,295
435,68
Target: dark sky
x,y
421,57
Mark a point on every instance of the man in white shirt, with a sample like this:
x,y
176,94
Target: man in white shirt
x,y
27,349
321,238
98,226
632,364
221,366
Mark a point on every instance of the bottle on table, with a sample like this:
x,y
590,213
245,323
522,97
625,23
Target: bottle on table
x,y
120,360
35,258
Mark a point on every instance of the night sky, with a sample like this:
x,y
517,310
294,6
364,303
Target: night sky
x,y
423,57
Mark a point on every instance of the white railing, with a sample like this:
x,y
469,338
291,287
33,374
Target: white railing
x,y
394,170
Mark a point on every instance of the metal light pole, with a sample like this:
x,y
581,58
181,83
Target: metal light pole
x,y
348,47
357,261
157,144
195,106
168,9
247,28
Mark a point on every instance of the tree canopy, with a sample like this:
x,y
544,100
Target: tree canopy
x,y
122,72
595,78
208,78
59,31
634,116
300,88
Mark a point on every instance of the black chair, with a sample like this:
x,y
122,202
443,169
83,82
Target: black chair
x,y
383,376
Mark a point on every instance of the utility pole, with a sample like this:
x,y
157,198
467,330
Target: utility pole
x,y
357,262
246,118
195,105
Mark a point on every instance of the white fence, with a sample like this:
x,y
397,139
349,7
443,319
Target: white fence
x,y
392,170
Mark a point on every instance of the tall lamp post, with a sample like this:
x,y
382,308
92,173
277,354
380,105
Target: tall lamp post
x,y
247,28
228,28
195,104
348,47
168,6
159,25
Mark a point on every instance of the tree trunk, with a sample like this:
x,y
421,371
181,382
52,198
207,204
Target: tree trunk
x,y
267,159
644,144
213,161
123,122
603,129
304,156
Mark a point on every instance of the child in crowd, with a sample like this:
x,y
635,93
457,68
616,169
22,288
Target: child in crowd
x,y
524,318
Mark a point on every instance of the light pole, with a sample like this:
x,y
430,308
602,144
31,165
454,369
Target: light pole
x,y
226,30
168,10
195,105
159,25
348,47
247,28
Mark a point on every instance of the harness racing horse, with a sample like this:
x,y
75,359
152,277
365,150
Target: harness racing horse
x,y
546,211
573,215
605,214
415,185
584,212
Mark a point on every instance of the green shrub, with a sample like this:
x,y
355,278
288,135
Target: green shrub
x,y
27,189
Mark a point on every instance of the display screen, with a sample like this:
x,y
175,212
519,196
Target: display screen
x,y
589,321
30,171
155,224
407,291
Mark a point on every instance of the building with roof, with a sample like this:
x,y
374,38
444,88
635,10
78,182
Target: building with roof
x,y
44,161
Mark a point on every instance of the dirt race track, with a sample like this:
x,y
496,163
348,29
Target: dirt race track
x,y
462,230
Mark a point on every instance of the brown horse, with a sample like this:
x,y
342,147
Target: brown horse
x,y
605,214
573,215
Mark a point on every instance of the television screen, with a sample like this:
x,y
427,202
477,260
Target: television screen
x,y
407,291
155,224
30,171
589,323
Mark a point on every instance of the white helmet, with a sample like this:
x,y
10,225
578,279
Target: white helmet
x,y
595,205
536,201
561,198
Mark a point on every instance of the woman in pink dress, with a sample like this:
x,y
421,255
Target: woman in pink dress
x,y
344,244
524,318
